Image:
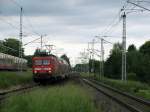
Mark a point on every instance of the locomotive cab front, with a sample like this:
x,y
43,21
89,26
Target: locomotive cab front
x,y
42,68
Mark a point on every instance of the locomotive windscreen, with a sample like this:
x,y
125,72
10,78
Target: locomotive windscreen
x,y
41,62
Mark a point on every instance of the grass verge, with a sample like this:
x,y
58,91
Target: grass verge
x,y
9,79
67,98
134,87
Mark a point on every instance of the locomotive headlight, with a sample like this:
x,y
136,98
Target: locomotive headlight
x,y
35,71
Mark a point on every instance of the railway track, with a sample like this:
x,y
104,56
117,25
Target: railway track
x,y
130,102
6,94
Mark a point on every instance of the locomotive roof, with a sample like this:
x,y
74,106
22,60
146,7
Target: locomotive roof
x,y
51,55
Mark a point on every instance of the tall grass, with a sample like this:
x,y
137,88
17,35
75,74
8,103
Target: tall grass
x,y
68,98
134,87
9,78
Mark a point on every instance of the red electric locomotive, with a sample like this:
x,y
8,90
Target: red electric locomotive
x,y
49,67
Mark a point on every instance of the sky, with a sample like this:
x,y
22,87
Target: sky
x,y
71,24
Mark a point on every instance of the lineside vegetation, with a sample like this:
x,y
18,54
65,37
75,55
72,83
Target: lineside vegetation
x,y
10,78
67,98
134,87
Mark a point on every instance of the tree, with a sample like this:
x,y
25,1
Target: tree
x,y
144,72
2,48
131,48
29,58
11,46
145,48
66,58
133,61
113,63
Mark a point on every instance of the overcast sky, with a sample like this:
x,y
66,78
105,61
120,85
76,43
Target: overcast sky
x,y
71,24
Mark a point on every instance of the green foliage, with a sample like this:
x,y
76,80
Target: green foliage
x,y
9,79
66,58
144,69
2,49
134,59
144,93
131,48
29,59
145,48
113,63
138,63
68,98
132,87
81,67
92,67
132,76
12,43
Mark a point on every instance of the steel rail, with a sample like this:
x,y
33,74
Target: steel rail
x,y
4,94
146,102
128,106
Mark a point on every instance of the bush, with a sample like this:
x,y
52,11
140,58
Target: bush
x,y
132,76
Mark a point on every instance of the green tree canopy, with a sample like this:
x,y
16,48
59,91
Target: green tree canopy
x,y
113,63
145,48
29,58
131,48
11,46
64,56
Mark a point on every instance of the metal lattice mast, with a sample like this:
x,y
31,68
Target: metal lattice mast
x,y
124,48
20,36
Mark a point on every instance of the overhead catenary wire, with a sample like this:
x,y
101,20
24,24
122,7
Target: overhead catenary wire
x,y
25,27
114,22
26,32
16,3
138,5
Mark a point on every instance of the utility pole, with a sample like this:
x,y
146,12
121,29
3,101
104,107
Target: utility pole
x,y
20,36
124,48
